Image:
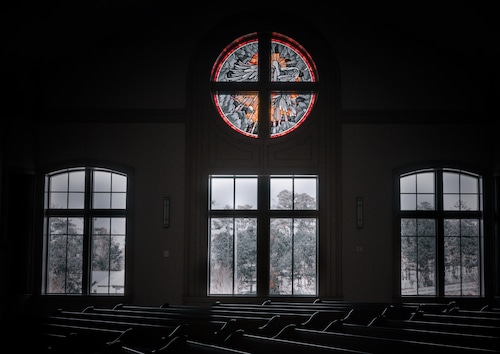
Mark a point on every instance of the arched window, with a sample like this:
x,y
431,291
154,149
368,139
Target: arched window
x,y
261,157
264,85
263,229
85,231
441,232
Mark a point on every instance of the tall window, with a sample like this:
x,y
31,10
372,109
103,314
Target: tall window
x,y
264,85
85,231
263,226
441,218
263,229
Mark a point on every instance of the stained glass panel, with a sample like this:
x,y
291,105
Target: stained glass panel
x,y
239,107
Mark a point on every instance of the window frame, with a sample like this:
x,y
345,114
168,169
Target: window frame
x,y
214,148
89,214
264,213
440,215
264,87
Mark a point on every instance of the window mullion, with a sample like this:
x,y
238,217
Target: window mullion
x,y
87,233
439,233
264,86
263,225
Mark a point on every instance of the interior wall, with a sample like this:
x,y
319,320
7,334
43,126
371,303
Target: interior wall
x,y
155,153
371,153
386,64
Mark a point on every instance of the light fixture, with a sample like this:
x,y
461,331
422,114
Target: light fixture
x,y
166,212
359,213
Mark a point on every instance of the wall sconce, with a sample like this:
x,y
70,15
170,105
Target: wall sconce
x,y
359,213
166,212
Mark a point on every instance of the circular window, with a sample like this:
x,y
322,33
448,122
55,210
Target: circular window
x,y
270,107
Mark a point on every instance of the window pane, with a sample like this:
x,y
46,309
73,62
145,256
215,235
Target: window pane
x,y
100,263
58,200
239,62
59,183
425,201
65,255
426,227
408,201
425,182
239,111
75,264
288,64
101,226
221,255
77,181
281,247
108,255
76,200
119,183
246,193
117,265
425,191
451,182
452,227
470,266
418,251
288,111
408,264
451,202
245,256
469,202
462,257
102,181
56,267
452,282
101,200
426,263
304,256
468,184
293,256
118,226
118,201
305,193
408,184
222,193
108,264
462,192
281,193
408,227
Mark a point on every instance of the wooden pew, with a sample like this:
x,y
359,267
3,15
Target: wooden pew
x,y
199,326
183,345
456,318
311,319
99,330
263,344
59,338
434,336
308,315
374,343
436,326
473,313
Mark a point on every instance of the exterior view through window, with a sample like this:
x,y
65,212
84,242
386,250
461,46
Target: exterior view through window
x,y
85,230
441,233
284,222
